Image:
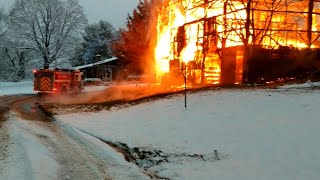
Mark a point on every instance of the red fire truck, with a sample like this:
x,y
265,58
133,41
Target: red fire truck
x,y
59,81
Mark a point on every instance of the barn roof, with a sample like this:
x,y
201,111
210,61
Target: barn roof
x,y
96,63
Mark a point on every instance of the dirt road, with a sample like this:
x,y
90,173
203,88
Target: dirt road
x,y
75,157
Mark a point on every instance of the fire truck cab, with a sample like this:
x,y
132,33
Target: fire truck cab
x,y
58,81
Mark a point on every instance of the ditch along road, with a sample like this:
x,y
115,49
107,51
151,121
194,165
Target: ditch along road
x,y
72,156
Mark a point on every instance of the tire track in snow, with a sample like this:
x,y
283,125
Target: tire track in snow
x,y
73,158
5,140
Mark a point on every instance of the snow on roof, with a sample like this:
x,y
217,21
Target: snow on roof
x,y
96,63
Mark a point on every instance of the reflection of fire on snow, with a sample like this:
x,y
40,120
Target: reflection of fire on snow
x,y
195,38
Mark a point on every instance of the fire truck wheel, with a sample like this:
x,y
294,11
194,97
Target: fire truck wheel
x,y
79,89
63,90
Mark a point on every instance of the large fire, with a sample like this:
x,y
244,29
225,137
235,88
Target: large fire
x,y
192,34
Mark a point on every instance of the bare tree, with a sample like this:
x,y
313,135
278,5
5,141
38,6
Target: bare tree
x,y
4,23
49,27
18,58
15,58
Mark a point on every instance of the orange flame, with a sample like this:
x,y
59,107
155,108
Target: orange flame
x,y
229,26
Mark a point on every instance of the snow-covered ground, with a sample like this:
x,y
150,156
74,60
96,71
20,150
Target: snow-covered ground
x,y
31,154
307,84
224,134
9,88
25,157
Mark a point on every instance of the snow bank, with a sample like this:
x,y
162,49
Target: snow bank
x,y
307,84
118,167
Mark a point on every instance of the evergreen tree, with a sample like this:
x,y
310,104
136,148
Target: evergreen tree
x,y
133,43
97,39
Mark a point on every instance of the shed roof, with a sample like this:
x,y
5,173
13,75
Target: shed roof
x,y
96,63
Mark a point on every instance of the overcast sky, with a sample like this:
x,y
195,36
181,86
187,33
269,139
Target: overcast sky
x,y
114,11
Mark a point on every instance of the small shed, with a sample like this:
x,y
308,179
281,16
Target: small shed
x,y
110,69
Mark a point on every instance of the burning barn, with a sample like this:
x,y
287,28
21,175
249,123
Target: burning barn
x,y
218,41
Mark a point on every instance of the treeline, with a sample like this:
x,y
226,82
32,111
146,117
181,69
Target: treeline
x,y
56,33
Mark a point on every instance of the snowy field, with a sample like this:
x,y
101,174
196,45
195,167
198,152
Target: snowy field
x,y
9,88
224,134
